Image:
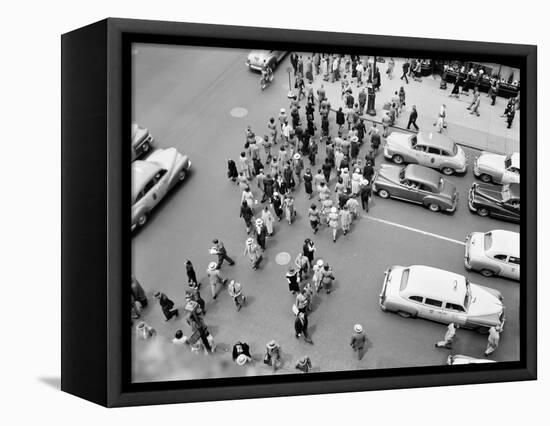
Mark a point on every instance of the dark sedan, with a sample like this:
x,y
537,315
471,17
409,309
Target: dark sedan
x,y
498,201
417,184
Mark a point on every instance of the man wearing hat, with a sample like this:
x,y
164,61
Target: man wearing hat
x,y
215,278
166,305
358,340
303,364
219,250
144,331
449,337
365,193
293,279
273,355
240,350
235,290
260,230
254,252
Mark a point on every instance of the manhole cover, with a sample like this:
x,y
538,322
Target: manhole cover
x,y
282,258
239,112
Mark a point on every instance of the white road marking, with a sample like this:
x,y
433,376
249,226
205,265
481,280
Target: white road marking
x,y
408,228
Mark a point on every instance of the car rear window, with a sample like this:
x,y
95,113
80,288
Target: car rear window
x,y
488,240
404,279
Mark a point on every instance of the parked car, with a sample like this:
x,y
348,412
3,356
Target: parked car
x,y
416,184
496,168
499,201
427,149
493,253
465,359
442,296
257,58
153,178
142,141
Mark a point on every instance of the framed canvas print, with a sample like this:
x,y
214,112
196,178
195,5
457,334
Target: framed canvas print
x,y
253,212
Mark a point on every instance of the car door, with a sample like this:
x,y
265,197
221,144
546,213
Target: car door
x,y
509,266
510,209
160,186
431,309
452,313
513,265
420,154
433,157
411,191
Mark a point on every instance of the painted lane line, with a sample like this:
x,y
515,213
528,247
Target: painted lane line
x,y
408,228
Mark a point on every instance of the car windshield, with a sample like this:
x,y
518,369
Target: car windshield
x,y
404,279
507,162
488,240
414,140
468,296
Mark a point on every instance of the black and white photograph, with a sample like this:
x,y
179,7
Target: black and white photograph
x,y
300,212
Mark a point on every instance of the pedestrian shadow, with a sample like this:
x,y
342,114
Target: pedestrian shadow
x,y
222,347
249,301
311,330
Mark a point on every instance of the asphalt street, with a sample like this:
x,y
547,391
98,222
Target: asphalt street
x,y
187,98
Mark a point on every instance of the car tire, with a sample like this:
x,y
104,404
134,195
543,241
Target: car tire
x,y
397,159
447,171
384,194
142,220
485,178
182,175
483,212
404,314
383,308
434,207
483,330
487,272
146,147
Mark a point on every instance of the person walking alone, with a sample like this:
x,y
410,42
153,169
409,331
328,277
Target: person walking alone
x,y
215,279
219,250
191,275
252,249
268,219
247,214
412,118
293,279
406,67
449,337
358,340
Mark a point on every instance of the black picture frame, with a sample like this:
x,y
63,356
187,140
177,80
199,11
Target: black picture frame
x,y
96,216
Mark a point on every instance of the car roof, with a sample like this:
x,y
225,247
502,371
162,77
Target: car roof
x,y
515,159
142,172
514,190
422,174
436,284
436,139
505,242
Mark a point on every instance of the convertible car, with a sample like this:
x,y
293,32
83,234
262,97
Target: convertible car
x,y
257,58
416,184
428,149
499,201
153,178
496,168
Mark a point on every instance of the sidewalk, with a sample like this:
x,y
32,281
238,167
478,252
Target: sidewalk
x,y
486,132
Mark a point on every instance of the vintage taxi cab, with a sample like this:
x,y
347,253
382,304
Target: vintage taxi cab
x,y
420,291
430,149
493,253
496,168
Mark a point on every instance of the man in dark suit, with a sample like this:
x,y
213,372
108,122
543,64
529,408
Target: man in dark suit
x,y
300,326
294,61
166,305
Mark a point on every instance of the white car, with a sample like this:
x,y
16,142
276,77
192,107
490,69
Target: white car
x,y
258,58
497,168
442,296
427,149
153,178
465,359
493,253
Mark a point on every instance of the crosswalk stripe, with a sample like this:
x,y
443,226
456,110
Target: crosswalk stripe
x,y
408,228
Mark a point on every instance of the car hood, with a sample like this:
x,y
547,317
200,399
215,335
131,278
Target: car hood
x,y
449,190
165,158
400,140
387,172
489,192
486,305
491,161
